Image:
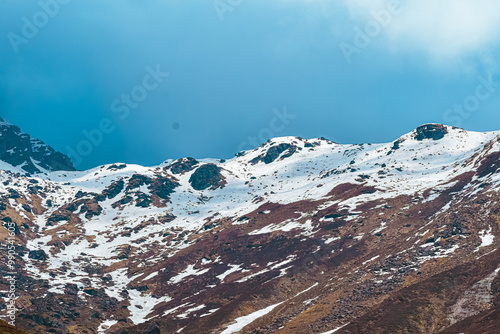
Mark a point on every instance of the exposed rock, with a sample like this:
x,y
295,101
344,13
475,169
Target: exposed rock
x,y
153,329
206,176
71,289
395,146
138,180
37,255
274,152
430,131
141,288
163,187
490,165
90,291
182,166
124,252
80,194
142,200
117,166
90,207
125,200
14,194
19,149
55,218
111,191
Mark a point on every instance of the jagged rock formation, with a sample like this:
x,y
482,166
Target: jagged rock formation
x,y
28,154
296,236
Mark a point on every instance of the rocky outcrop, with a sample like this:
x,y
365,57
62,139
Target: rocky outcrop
x,y
430,131
111,191
163,187
20,150
37,255
138,180
206,176
283,151
182,166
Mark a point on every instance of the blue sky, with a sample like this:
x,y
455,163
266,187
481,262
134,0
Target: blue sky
x,y
145,81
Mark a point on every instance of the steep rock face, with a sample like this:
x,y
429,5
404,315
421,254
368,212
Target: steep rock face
x,y
20,150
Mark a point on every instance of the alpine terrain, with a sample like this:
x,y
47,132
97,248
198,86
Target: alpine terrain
x,y
296,236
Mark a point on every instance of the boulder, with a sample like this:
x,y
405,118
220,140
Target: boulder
x,y
206,176
430,131
37,255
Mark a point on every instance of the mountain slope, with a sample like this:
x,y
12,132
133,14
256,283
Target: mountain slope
x,y
20,152
5,328
295,236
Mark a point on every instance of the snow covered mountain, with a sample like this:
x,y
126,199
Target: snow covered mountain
x,y
21,153
296,236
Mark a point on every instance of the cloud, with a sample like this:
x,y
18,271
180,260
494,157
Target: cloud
x,y
444,30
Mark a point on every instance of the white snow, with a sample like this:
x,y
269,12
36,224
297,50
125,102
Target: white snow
x,y
150,276
189,311
247,319
233,269
309,174
487,238
330,240
141,305
382,227
209,312
286,226
105,325
334,330
370,260
189,271
309,288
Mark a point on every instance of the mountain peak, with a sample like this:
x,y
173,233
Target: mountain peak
x,y
430,131
22,153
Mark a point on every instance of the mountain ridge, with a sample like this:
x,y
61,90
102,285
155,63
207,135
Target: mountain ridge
x,y
22,153
19,162
298,235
